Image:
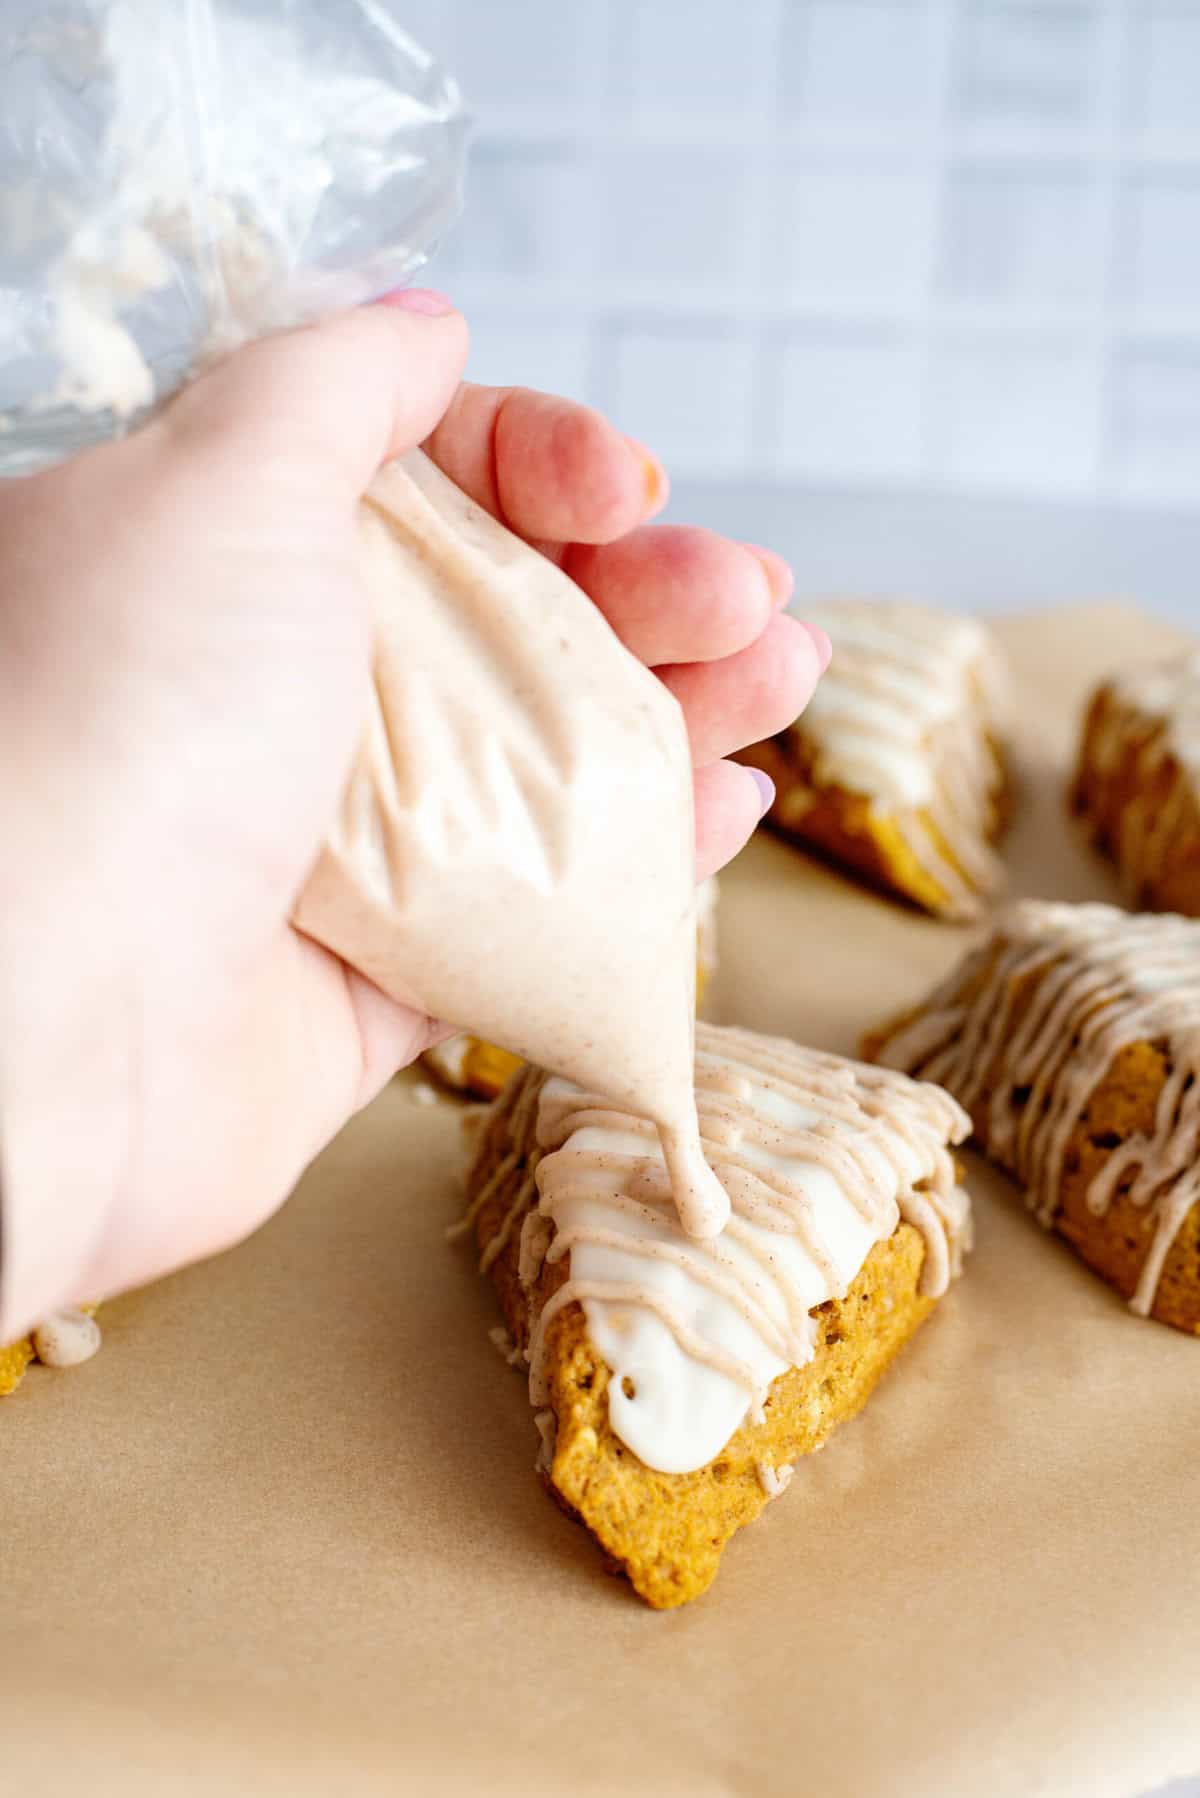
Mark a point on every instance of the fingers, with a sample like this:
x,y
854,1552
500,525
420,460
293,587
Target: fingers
x,y
331,402
751,695
676,593
730,800
548,468
779,575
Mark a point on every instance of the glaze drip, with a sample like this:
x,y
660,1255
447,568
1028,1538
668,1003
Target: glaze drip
x,y
1105,980
1170,692
820,1159
1144,728
904,715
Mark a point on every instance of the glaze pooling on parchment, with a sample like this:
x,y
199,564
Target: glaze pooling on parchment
x,y
514,852
1105,979
67,1338
820,1157
903,715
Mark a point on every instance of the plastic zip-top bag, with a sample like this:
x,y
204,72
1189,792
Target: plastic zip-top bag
x,y
514,853
180,176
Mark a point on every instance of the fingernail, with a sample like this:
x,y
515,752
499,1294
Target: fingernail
x,y
654,478
779,575
821,644
766,789
424,300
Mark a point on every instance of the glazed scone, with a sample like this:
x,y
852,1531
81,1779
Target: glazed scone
x,y
481,1069
1137,781
470,1065
64,1340
1072,1036
894,769
675,1382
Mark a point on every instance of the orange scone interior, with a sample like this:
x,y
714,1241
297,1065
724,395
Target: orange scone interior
x,y
1137,781
1072,1036
15,1358
893,770
471,1065
676,1381
64,1340
482,1069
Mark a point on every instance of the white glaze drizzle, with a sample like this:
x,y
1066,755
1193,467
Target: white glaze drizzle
x,y
1105,979
903,715
1169,691
1152,713
820,1158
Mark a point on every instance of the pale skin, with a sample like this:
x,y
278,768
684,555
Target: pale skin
x,y
184,664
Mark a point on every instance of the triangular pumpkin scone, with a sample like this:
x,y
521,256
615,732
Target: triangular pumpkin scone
x,y
676,1381
1072,1036
1137,780
894,768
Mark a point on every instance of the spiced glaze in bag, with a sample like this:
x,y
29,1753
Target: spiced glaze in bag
x,y
514,851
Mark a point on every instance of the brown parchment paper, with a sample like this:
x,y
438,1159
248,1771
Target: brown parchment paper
x,y
284,1536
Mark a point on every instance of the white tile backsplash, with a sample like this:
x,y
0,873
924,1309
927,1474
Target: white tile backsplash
x,y
1012,234
530,215
1163,222
943,242
510,55
1017,414
538,352
688,392
1021,62
848,405
1157,404
693,57
849,231
1164,85
857,60
673,219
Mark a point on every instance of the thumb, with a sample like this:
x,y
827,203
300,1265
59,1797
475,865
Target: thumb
x,y
337,398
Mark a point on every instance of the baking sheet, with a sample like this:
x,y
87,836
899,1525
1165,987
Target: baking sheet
x,y
283,1535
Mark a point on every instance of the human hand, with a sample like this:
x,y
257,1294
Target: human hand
x,y
184,668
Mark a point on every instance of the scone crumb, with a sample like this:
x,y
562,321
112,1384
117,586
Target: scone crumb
x,y
774,1480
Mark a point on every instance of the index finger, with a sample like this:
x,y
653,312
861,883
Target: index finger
x,y
552,470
